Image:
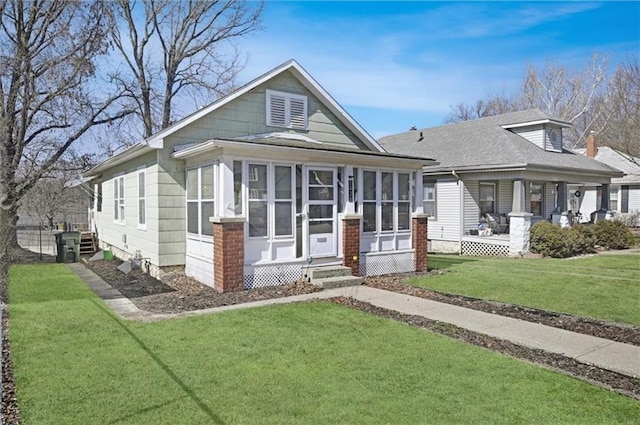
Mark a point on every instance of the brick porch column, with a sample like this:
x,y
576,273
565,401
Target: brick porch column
x,y
351,242
228,253
420,241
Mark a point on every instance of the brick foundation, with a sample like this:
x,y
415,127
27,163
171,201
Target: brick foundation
x,y
228,254
420,242
351,243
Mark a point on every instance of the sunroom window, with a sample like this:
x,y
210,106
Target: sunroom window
x,y
386,201
200,200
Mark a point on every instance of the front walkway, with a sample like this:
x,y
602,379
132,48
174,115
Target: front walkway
x,y
602,353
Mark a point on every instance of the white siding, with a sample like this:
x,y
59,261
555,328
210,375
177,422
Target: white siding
x,y
534,134
634,198
471,209
446,225
505,196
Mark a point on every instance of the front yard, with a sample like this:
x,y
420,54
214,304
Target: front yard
x,y
77,363
605,287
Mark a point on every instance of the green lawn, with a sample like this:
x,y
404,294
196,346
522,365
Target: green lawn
x,y
604,287
76,363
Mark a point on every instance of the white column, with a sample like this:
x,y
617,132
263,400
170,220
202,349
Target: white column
x,y
225,205
418,208
518,203
519,229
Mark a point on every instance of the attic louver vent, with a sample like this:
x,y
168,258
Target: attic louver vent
x,y
286,110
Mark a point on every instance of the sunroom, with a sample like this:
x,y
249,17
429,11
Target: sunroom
x,y
263,209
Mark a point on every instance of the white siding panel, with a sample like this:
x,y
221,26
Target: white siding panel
x,y
634,198
534,134
505,196
447,222
471,209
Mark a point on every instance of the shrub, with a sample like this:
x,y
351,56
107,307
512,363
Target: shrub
x,y
554,241
612,234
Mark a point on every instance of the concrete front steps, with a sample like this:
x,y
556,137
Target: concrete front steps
x,y
333,277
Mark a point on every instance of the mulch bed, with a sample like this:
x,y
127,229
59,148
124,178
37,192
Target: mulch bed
x,y
176,293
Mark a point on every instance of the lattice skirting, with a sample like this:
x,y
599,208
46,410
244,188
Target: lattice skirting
x,y
479,249
377,264
272,275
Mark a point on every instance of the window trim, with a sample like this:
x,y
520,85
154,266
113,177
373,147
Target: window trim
x,y
119,199
434,201
288,118
495,196
199,200
142,171
378,202
542,198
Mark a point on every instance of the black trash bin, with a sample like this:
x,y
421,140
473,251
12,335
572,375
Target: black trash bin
x,y
68,247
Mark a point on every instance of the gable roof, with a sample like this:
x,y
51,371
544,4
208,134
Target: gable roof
x,y
616,159
487,144
303,77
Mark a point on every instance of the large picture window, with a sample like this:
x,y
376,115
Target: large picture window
x,y
200,200
487,198
118,199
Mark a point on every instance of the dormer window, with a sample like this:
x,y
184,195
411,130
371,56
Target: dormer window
x,y
286,110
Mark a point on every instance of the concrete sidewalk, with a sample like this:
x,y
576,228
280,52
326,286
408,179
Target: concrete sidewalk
x,y
602,353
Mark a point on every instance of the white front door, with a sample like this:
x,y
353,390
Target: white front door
x,y
321,211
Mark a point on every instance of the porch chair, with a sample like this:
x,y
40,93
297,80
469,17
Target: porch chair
x,y
498,224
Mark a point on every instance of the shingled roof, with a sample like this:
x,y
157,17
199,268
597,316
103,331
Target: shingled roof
x,y
485,143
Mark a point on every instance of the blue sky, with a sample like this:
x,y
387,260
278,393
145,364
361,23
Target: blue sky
x,y
392,65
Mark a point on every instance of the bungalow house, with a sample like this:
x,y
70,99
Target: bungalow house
x,y
257,187
497,176
624,192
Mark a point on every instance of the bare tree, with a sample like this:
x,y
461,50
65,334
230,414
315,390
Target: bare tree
x,y
49,94
194,39
575,96
54,198
481,108
568,95
621,130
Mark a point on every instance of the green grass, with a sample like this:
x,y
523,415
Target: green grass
x,y
604,287
76,363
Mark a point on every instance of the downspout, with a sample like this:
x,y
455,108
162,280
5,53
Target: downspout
x,y
461,210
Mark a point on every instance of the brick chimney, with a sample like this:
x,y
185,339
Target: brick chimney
x,y
592,145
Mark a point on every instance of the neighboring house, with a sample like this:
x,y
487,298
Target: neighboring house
x,y
497,176
255,188
624,192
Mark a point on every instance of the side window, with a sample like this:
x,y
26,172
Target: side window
x,y
487,198
118,199
142,199
429,199
536,193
